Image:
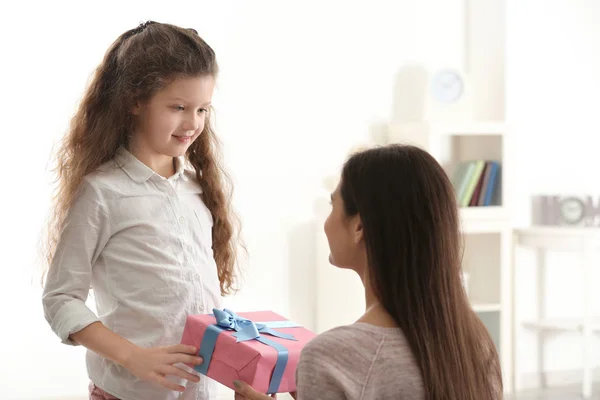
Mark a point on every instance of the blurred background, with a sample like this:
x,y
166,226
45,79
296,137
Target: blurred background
x,y
302,84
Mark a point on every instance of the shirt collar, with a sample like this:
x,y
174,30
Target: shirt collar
x,y
179,169
140,172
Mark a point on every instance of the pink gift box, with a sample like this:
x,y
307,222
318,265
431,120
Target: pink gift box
x,y
250,361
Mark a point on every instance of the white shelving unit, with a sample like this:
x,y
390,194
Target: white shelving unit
x,y
487,231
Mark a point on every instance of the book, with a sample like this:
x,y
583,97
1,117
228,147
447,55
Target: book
x,y
490,191
486,180
467,169
458,176
476,182
478,189
476,170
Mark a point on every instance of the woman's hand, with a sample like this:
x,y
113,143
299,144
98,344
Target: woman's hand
x,y
154,364
245,392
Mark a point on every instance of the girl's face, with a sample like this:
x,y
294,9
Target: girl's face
x,y
173,118
345,236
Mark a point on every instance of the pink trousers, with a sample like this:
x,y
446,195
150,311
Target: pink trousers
x,y
98,394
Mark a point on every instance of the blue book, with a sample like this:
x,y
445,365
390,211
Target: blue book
x,y
491,187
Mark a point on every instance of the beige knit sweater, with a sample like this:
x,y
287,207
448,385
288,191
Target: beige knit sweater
x,y
359,362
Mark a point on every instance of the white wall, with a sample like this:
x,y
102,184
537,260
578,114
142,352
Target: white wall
x,y
553,81
301,83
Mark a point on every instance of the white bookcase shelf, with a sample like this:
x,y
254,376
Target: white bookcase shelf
x,y
486,307
487,231
483,219
562,325
487,128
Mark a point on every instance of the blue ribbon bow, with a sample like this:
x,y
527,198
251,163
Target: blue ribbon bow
x,y
246,329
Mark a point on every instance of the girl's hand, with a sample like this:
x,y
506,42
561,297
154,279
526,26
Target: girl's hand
x,y
154,364
245,392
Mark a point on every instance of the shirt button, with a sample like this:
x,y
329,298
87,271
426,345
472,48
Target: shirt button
x,y
181,220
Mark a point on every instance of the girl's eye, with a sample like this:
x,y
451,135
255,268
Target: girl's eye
x,y
182,108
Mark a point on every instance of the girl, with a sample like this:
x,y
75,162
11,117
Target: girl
x,y
141,215
394,221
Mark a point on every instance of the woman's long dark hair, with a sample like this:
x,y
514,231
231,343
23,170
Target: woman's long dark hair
x,y
408,210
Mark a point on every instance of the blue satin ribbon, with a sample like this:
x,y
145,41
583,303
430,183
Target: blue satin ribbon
x,y
245,330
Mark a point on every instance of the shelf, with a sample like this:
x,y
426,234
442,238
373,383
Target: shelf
x,y
559,231
472,129
486,307
484,219
491,128
567,325
488,213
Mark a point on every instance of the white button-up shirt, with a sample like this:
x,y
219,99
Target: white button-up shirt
x,y
144,245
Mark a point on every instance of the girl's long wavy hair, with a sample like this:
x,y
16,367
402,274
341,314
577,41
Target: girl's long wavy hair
x,y
138,64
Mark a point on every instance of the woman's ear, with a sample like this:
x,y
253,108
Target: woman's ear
x,y
358,230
